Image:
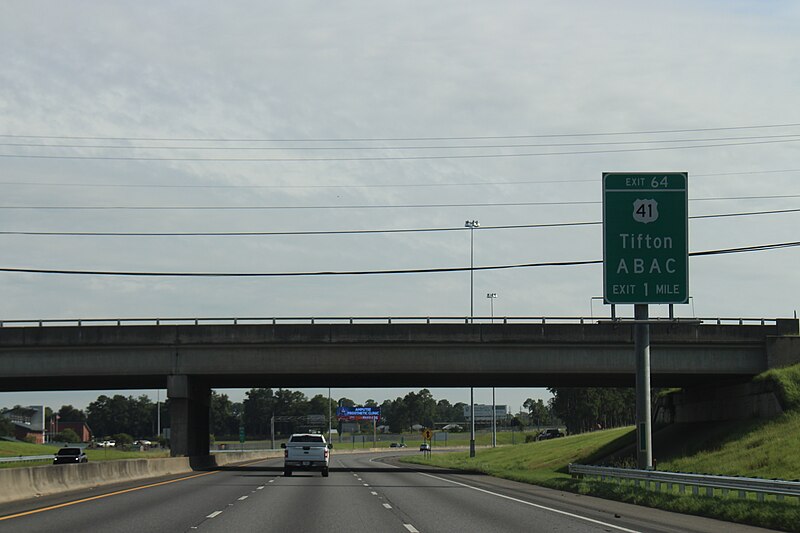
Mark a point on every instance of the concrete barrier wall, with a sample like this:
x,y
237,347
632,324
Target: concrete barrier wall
x,y
35,481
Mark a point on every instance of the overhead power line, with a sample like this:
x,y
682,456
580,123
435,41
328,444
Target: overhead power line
x,y
350,206
793,136
724,251
354,185
418,138
354,232
391,158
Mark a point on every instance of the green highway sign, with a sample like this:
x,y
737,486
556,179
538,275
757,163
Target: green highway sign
x,y
241,434
645,238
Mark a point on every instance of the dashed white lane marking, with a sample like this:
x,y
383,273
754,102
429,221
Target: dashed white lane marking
x,y
387,505
411,528
373,493
272,481
557,511
214,514
261,487
243,498
366,484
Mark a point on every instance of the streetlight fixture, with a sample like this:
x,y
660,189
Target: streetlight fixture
x,y
491,296
471,224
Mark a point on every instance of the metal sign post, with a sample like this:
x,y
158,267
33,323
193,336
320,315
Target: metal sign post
x,y
644,431
645,260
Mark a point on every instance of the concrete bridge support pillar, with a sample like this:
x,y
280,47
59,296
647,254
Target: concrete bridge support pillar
x,y
189,402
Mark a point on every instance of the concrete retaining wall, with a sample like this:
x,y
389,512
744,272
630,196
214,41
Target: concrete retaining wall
x,y
35,481
711,404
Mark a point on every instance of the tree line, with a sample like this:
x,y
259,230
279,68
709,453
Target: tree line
x,y
579,409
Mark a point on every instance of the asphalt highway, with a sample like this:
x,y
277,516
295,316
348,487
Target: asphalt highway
x,y
364,493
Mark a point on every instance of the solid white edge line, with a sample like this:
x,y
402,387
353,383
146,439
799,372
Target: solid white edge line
x,y
557,511
411,528
214,514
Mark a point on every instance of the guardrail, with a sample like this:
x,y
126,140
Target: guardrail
x,y
669,480
370,320
27,458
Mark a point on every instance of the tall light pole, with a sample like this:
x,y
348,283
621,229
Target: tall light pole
x,y
471,224
492,296
329,414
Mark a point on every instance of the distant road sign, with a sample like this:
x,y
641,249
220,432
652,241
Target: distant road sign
x,y
358,413
427,434
645,238
241,434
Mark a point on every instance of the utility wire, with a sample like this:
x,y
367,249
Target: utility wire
x,y
442,138
417,147
353,232
348,206
389,158
724,251
354,185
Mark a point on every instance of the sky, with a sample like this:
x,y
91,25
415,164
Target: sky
x,y
312,116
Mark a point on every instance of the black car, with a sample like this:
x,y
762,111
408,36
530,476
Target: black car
x,y
69,455
549,434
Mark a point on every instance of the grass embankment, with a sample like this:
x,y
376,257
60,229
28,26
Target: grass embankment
x,y
411,440
750,448
15,449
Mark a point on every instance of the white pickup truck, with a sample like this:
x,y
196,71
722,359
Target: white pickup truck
x,y
306,451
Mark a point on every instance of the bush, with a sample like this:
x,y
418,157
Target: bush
x,y
30,439
123,439
68,435
530,438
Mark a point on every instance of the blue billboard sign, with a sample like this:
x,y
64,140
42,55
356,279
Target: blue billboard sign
x,y
358,413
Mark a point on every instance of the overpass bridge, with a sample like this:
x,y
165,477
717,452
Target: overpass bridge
x,y
191,356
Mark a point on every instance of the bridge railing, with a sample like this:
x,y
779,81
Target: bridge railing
x,y
668,481
368,320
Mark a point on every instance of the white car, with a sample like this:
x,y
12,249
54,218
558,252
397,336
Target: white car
x,y
107,444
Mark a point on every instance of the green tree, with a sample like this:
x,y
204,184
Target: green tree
x,y
320,405
67,413
258,408
585,409
221,418
445,412
346,402
68,435
538,413
121,414
6,427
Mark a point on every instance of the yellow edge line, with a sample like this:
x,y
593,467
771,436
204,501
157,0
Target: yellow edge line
x,y
100,496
